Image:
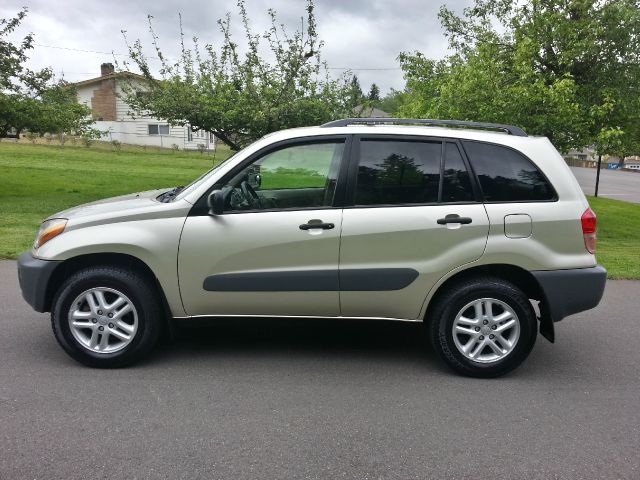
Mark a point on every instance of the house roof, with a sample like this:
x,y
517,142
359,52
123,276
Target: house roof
x,y
107,77
370,112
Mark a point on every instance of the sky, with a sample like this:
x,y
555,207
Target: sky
x,y
364,36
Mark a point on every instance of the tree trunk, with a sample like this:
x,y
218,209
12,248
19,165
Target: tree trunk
x,y
225,138
598,174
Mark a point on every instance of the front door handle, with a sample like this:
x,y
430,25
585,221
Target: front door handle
x,y
454,218
316,224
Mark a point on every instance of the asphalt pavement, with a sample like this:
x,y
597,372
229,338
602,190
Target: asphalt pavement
x,y
616,184
266,399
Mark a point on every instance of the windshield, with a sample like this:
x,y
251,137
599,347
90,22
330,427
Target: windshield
x,y
198,181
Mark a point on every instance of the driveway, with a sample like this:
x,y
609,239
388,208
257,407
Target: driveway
x,y
614,184
261,399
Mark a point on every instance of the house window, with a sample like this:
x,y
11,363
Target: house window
x,y
155,129
189,134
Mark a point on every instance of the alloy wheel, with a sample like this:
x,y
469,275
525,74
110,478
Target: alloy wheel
x,y
103,320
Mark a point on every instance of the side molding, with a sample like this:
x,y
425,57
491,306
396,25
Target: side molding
x,y
351,280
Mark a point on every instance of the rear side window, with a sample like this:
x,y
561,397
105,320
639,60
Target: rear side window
x,y
398,172
506,175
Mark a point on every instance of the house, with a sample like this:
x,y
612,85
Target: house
x,y
586,157
104,95
632,163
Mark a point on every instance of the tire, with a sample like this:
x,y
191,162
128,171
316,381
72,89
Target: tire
x,y
494,345
107,317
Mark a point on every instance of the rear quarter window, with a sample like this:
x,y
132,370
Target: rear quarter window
x,y
506,175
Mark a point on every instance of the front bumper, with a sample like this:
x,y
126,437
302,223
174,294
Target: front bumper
x,y
34,276
571,291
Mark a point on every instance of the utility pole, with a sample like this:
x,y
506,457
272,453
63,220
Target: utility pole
x,y
598,174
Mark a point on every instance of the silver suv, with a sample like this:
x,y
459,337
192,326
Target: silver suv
x,y
478,230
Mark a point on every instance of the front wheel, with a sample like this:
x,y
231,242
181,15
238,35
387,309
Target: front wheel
x,y
484,327
106,316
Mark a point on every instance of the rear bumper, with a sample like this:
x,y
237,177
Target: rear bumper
x,y
34,276
571,291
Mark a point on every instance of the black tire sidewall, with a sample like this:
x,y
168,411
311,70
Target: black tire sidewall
x,y
135,288
451,304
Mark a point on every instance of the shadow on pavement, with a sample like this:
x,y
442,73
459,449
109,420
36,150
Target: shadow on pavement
x,y
374,340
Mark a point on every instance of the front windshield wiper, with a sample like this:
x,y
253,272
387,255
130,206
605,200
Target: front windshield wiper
x,y
167,197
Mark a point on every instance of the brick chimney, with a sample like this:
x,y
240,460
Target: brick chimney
x,y
103,101
106,69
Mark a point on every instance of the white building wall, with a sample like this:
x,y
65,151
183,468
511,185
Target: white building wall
x,y
136,132
123,110
85,93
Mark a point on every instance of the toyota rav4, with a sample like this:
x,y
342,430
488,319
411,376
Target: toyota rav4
x,y
477,230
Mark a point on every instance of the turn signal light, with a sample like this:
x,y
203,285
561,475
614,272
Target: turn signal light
x,y
50,229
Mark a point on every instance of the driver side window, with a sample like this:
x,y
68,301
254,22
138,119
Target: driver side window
x,y
300,176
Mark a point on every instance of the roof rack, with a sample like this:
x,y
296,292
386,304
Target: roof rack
x,y
510,129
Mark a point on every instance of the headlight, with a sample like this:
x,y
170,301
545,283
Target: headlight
x,y
50,229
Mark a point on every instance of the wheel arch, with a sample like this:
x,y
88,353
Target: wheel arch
x,y
520,277
74,264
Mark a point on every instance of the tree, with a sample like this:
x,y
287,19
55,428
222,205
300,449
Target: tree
x,y
391,102
241,97
59,112
30,100
14,76
566,69
355,97
374,93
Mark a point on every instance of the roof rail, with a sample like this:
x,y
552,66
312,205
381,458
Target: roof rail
x,y
510,129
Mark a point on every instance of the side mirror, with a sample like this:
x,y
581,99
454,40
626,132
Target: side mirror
x,y
215,202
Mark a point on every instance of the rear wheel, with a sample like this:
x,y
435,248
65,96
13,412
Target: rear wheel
x,y
106,316
483,327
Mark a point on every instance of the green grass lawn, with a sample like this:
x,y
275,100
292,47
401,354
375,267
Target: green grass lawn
x,y
38,180
618,247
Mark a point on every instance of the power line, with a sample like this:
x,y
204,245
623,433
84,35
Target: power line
x,y
81,50
359,69
364,68
79,73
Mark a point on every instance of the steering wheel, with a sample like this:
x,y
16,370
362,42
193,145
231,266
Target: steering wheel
x,y
250,194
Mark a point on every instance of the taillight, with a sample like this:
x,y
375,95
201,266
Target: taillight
x,y
589,227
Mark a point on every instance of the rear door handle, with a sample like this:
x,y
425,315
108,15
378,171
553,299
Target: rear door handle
x,y
454,218
316,224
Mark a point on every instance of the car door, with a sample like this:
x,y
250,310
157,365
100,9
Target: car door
x,y
274,249
415,215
